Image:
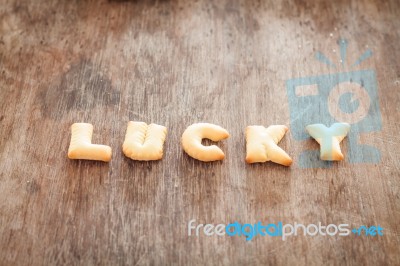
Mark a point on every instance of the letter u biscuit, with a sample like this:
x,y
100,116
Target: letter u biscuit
x,y
144,142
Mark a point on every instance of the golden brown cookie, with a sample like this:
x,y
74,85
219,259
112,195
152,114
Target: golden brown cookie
x,y
81,146
193,135
144,142
261,145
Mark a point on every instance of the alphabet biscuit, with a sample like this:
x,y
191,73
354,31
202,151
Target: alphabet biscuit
x,y
144,142
81,146
191,141
329,139
261,145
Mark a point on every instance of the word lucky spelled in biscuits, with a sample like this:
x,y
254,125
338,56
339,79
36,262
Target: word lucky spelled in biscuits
x,y
145,142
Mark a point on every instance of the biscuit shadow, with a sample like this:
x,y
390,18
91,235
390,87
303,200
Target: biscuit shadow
x,y
88,164
140,165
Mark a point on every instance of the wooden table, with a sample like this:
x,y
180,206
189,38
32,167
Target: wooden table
x,y
176,63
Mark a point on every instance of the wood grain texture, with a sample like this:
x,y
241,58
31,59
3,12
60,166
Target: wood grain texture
x,y
175,63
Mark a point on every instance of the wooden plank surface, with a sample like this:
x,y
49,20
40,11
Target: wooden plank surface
x,y
176,63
